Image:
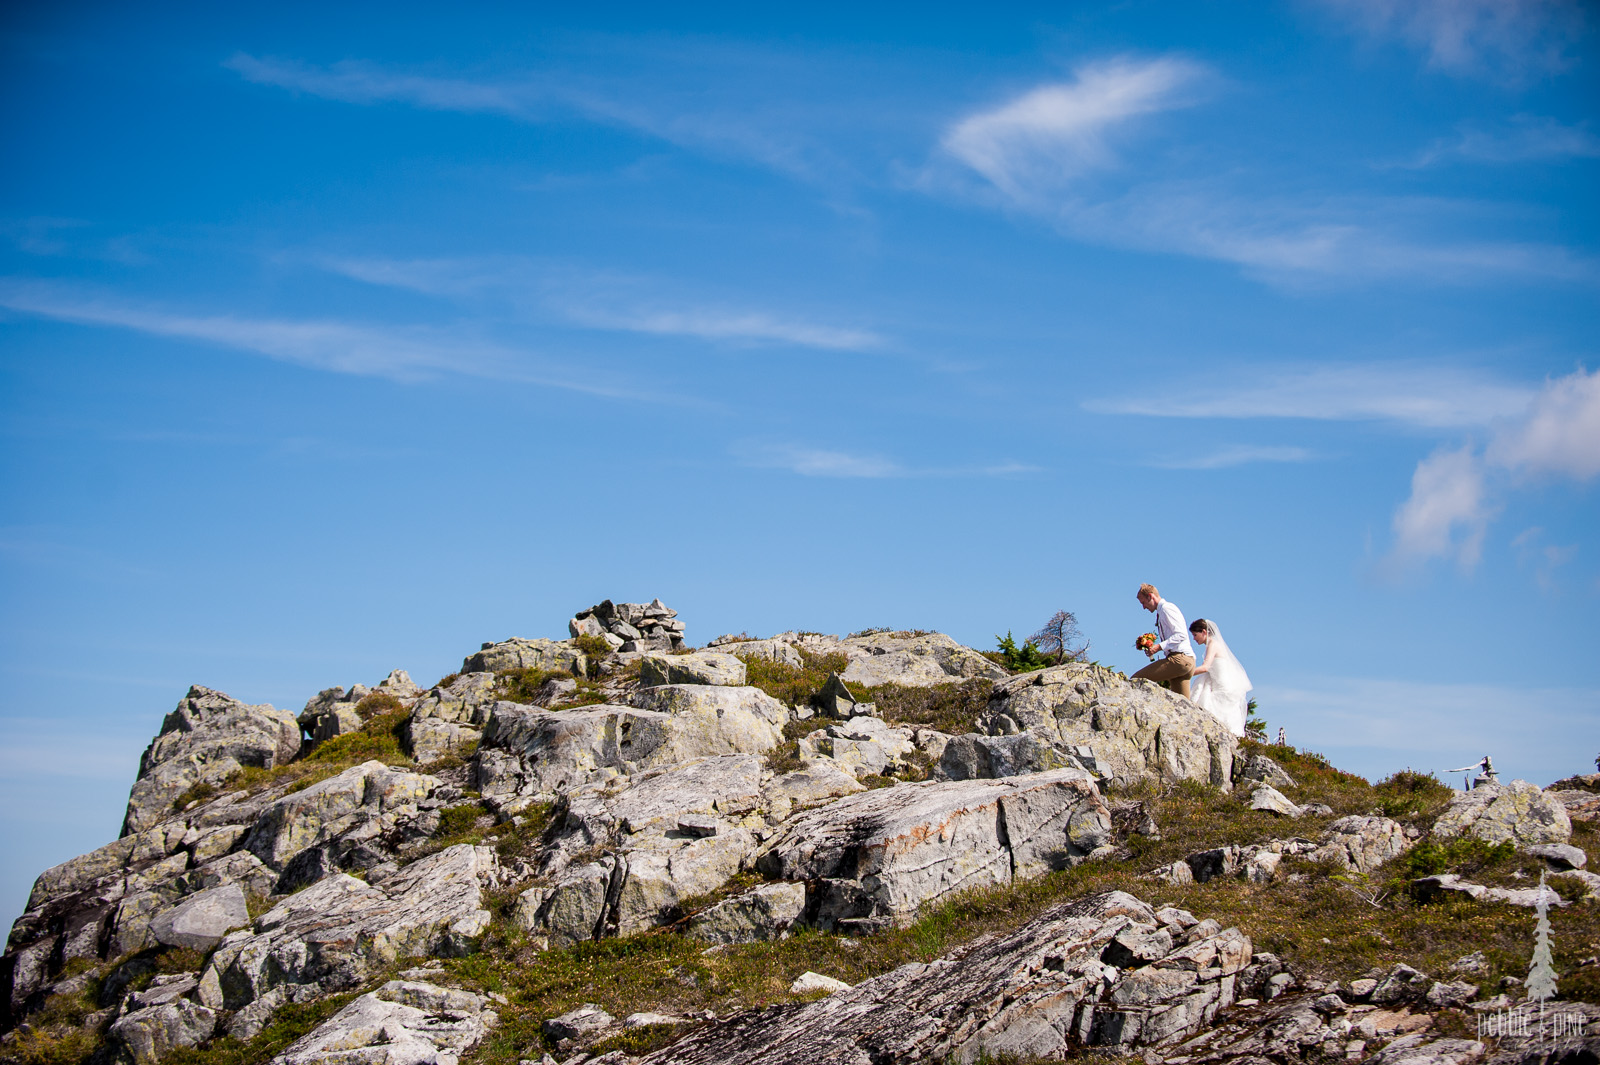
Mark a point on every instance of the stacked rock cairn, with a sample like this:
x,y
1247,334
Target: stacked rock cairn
x,y
651,626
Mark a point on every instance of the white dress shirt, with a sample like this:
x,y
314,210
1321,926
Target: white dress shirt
x,y
1173,630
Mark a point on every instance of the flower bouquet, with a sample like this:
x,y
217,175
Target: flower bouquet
x,y
1146,643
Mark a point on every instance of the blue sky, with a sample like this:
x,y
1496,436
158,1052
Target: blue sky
x,y
338,339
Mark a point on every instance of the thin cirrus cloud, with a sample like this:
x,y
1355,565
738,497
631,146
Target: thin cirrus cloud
x,y
1527,138
685,119
827,462
599,301
399,353
1506,40
1425,396
1056,152
1239,455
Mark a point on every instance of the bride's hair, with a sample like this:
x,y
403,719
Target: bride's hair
x,y
1200,625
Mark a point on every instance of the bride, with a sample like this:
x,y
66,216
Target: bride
x,y
1221,685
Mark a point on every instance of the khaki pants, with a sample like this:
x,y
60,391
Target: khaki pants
x,y
1172,672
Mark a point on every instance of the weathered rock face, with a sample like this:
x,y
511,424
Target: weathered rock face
x,y
1135,729
765,912
1037,992
702,667
1361,844
359,804
630,627
145,1036
206,739
975,756
450,718
675,833
914,660
339,930
518,653
1517,813
875,857
404,1022
531,752
771,650
202,919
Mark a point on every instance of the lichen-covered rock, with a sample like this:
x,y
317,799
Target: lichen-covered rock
x,y
913,660
817,782
1517,813
450,717
1263,770
1136,729
877,856
332,808
765,912
1038,992
975,756
526,751
518,653
404,1022
779,651
340,930
1362,843
209,737
201,920
1266,798
145,1036
702,667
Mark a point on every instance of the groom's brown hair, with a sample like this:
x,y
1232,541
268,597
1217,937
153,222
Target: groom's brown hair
x,y
1150,590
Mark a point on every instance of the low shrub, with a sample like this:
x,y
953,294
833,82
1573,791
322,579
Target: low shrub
x,y
789,684
1409,794
1465,855
953,708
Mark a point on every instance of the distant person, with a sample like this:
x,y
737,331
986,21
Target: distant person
x,y
1172,638
1221,685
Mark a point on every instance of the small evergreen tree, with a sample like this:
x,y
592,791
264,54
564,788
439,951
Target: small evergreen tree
x,y
1541,973
1022,659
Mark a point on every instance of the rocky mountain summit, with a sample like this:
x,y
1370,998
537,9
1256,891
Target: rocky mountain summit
x,y
880,848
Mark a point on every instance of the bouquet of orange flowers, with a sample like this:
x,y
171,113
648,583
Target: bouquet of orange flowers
x,y
1146,643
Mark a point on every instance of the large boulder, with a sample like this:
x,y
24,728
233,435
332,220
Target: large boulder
x,y
404,1022
1362,843
702,667
527,751
518,653
209,737
765,912
202,919
450,717
339,931
1518,813
1136,729
975,756
332,808
875,857
913,659
145,1036
780,651
678,832
1040,992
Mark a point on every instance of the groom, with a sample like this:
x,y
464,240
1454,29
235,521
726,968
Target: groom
x,y
1174,670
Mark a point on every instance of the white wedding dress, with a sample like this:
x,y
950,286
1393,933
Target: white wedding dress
x,y
1223,689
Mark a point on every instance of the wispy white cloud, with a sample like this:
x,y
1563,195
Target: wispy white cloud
x,y
1508,40
827,462
742,126
601,301
1417,394
1044,138
1238,455
1051,153
399,353
1527,138
1454,491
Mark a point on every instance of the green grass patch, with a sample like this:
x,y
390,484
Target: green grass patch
x,y
953,708
1408,795
795,686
